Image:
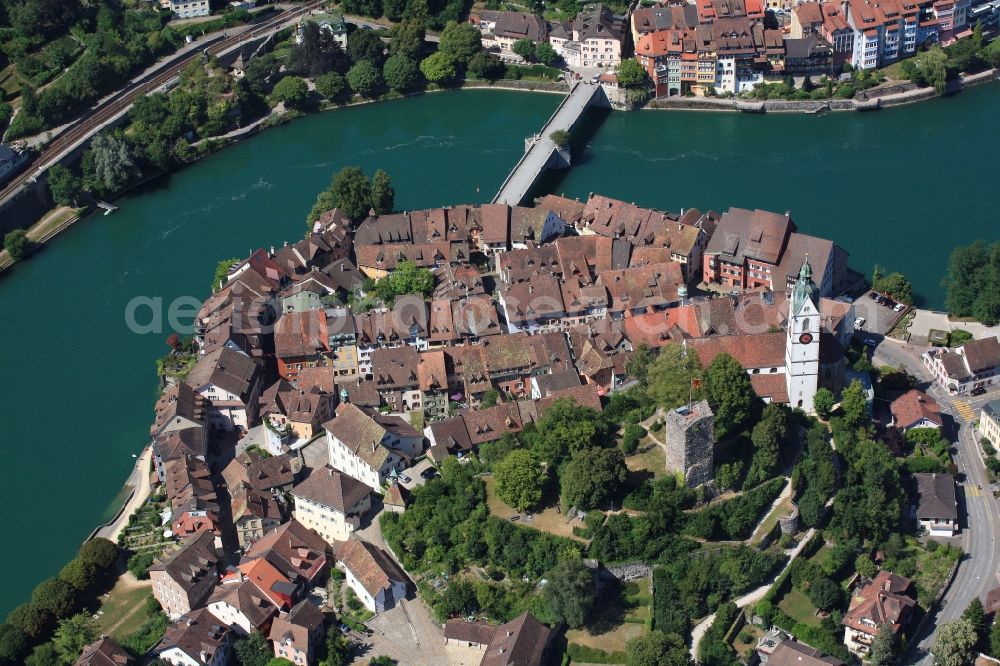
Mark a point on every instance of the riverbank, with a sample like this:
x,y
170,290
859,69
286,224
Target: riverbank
x,y
888,96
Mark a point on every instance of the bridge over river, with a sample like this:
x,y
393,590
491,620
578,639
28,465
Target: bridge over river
x,y
541,152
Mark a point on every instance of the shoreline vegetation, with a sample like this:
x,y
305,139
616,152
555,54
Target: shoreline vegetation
x,y
911,95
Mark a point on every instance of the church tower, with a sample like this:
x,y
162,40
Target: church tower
x,y
802,341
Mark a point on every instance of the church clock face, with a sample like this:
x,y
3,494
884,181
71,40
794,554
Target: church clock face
x,y
806,338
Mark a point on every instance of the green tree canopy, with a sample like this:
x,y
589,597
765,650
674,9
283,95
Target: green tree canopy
x,y
55,596
408,278
438,67
592,477
74,634
566,428
291,90
640,361
569,591
883,647
31,619
823,403
954,644
461,41
384,200
670,375
16,243
854,405
825,594
64,187
351,192
43,655
656,649
254,650
79,574
973,282
767,436
407,39
400,72
631,74
545,54
365,45
331,85
485,65
524,47
729,394
896,285
364,77
519,480
13,644
109,164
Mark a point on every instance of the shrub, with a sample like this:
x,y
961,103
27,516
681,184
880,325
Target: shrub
x,y
631,438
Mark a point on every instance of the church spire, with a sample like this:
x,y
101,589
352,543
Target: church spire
x,y
805,288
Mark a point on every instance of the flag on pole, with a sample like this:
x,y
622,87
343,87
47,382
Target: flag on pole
x,y
696,383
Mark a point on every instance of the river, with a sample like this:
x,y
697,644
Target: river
x,y
79,385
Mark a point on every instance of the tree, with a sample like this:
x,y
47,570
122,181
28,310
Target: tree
x,y
895,285
364,78
519,480
351,192
545,54
291,90
854,405
16,243
865,567
55,596
825,594
109,164
382,660
485,65
438,67
383,196
976,616
365,45
995,638
729,394
254,650
43,655
569,591
823,403
280,661
631,74
883,651
331,85
461,41
338,650
638,364
13,644
99,552
79,574
407,40
63,185
408,278
560,137
566,428
318,53
954,644
767,437
74,634
670,376
592,477
656,649
400,72
525,48
32,620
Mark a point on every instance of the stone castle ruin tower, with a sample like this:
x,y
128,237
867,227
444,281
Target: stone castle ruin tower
x,y
689,435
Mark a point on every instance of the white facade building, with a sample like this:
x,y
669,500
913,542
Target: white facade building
x,y
802,342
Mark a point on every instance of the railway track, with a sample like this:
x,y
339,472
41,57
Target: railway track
x,y
121,101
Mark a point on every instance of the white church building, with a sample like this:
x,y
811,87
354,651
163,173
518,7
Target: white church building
x,y
802,336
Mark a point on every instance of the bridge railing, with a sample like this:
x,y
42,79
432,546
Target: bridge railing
x,y
517,166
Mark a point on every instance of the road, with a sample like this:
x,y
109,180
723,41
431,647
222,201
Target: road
x,y
117,104
977,572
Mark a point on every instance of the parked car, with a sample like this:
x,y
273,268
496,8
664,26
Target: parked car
x,y
859,322
979,390
404,478
871,342
899,307
429,473
873,296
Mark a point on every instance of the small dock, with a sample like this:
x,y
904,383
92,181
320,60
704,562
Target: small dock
x,y
108,208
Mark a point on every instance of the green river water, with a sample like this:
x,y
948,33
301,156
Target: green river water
x,y
900,187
